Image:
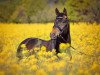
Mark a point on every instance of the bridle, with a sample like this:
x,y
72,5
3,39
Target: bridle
x,y
61,30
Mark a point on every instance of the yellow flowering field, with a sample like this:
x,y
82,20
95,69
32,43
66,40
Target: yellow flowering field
x,y
85,59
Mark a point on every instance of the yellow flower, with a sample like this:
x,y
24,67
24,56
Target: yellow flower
x,y
41,72
49,53
81,71
64,46
33,68
36,49
2,73
95,67
54,51
43,63
40,53
23,46
53,58
43,48
59,54
25,51
59,73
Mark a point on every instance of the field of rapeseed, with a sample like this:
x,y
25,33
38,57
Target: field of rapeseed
x,y
85,59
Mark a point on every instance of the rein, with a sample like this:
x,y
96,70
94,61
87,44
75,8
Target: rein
x,y
82,53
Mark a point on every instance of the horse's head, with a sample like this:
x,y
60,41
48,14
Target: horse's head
x,y
60,23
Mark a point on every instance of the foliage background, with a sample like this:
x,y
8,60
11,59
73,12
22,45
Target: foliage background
x,y
30,11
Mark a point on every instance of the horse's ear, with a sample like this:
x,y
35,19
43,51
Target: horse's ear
x,y
56,11
65,11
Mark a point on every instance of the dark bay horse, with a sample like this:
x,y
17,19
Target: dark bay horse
x,y
61,30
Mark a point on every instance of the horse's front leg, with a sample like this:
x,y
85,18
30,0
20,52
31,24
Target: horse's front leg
x,y
53,43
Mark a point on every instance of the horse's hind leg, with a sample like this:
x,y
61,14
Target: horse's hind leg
x,y
19,52
20,49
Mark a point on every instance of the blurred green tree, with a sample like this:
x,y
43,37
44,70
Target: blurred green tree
x,y
7,7
29,11
84,10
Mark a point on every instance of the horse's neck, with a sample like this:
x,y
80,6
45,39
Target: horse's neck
x,y
46,43
64,37
66,32
51,44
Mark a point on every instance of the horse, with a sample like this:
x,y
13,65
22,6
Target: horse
x,y
61,30
59,34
